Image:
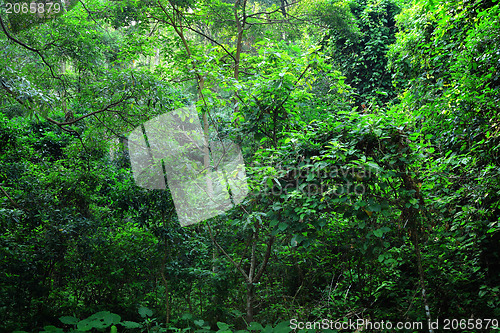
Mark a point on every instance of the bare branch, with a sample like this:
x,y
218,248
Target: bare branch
x,y
107,108
8,197
237,266
210,39
266,259
298,80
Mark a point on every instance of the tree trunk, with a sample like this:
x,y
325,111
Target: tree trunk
x,y
165,283
240,25
250,301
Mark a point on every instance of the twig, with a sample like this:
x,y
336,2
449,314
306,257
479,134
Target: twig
x,y
238,267
8,196
107,108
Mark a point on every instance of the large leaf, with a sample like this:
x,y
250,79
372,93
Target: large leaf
x,y
145,312
52,329
255,327
130,324
283,327
99,320
85,325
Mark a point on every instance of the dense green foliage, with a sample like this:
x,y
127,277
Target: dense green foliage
x,y
371,139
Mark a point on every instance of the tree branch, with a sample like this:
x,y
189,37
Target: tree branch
x,y
10,199
270,243
238,267
210,39
107,108
15,40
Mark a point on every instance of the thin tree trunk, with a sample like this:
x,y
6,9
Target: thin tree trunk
x,y
411,215
240,25
165,283
175,21
421,278
163,264
250,301
201,84
251,279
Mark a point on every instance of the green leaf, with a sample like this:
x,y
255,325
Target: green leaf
x,y
130,324
187,316
145,312
374,166
283,327
199,322
283,226
222,326
268,329
112,318
51,328
255,327
375,207
391,261
103,319
85,325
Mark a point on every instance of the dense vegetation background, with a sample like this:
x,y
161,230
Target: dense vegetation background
x,y
388,107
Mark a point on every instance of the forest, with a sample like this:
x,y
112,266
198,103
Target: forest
x,y
220,166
